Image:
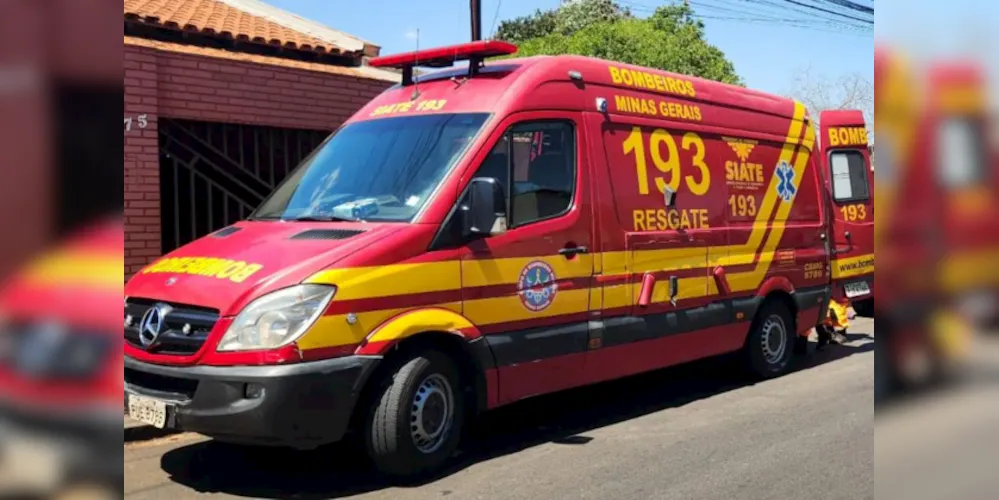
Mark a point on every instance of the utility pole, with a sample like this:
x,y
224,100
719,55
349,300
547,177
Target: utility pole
x,y
475,62
476,8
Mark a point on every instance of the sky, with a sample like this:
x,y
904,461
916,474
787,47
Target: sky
x,y
768,56
925,32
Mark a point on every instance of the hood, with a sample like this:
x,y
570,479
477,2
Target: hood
x,y
74,283
230,267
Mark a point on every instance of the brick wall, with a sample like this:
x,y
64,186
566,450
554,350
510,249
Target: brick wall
x,y
184,86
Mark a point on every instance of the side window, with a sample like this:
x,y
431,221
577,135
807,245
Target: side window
x,y
961,161
536,164
849,176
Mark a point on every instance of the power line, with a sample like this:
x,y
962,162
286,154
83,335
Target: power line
x,y
826,27
820,9
785,7
757,13
852,6
492,31
735,10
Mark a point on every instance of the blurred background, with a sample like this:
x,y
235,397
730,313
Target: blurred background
x,y
937,177
61,254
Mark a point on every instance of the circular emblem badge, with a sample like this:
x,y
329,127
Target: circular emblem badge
x,y
537,286
152,324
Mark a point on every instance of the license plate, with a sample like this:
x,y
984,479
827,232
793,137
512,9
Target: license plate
x,y
30,465
148,411
857,289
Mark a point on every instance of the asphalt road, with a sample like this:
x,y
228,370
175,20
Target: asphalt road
x,y
697,431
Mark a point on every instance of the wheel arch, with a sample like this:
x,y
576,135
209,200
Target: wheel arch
x,y
778,288
442,330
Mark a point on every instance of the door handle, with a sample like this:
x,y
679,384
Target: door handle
x,y
570,252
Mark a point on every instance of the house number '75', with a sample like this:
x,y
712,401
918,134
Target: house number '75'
x,y
139,122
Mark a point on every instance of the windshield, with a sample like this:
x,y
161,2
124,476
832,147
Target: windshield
x,y
378,170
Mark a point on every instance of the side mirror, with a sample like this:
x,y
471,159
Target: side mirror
x,y
484,214
670,197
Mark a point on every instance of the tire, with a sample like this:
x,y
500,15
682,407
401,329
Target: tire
x,y
884,373
410,430
770,345
864,308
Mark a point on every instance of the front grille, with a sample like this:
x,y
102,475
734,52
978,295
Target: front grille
x,y
172,340
55,353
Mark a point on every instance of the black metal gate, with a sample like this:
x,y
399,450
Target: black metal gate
x,y
215,174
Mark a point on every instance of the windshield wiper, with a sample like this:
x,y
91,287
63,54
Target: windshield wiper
x,y
319,218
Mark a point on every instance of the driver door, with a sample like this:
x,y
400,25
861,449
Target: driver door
x,y
528,289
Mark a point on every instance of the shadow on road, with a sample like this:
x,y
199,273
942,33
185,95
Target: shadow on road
x,y
561,419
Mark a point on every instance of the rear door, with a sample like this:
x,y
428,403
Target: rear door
x,y
849,181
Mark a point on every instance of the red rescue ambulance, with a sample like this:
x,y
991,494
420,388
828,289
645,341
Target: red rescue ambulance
x,y
934,234
60,359
958,128
489,234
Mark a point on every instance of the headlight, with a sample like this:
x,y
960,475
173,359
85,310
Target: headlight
x,y
277,319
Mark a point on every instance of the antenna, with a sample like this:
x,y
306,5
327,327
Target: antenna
x,y
416,62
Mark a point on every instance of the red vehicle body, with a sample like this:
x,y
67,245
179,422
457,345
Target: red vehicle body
x,y
959,125
61,359
936,237
844,143
483,236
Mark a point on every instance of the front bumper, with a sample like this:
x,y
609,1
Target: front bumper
x,y
42,449
300,406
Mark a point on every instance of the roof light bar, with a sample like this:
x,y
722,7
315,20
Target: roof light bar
x,y
444,57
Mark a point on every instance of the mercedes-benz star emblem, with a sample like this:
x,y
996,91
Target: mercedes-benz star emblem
x,y
152,324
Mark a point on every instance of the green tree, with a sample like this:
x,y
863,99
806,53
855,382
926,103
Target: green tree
x,y
672,39
537,25
566,20
577,15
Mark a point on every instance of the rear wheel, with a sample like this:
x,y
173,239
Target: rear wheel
x,y
770,346
416,420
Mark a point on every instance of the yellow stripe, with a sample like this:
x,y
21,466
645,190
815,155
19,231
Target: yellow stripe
x,y
434,320
742,282
77,269
853,266
479,273
895,114
335,331
962,271
387,281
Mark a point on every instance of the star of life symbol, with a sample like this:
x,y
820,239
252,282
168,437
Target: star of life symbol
x,y
785,188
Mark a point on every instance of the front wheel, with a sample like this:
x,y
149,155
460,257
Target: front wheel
x,y
416,420
771,342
